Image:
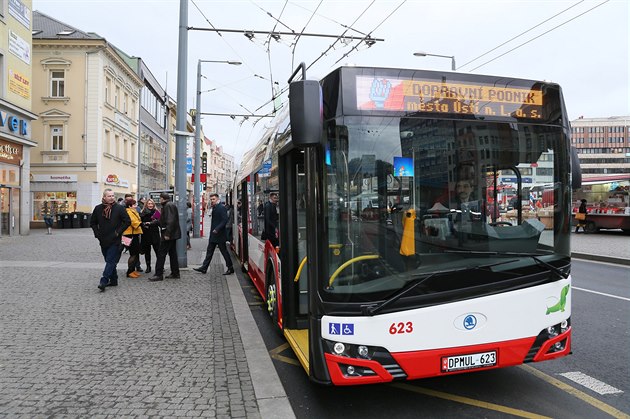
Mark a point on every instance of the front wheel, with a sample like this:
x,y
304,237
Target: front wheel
x,y
591,227
272,298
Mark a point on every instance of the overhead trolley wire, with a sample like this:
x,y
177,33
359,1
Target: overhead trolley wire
x,y
519,35
368,35
542,34
301,32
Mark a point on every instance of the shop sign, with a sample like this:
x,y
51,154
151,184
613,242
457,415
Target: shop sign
x,y
10,153
20,12
19,47
13,125
114,180
53,178
19,84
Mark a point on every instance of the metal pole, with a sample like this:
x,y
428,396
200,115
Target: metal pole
x,y
180,145
197,182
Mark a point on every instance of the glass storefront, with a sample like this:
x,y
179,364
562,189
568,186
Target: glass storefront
x,y
53,203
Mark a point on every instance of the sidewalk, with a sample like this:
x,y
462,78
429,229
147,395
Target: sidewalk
x,y
177,348
611,246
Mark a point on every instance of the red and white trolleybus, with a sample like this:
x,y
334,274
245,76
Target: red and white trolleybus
x,y
389,266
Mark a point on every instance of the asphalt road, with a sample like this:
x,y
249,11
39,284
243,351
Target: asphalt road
x,y
600,360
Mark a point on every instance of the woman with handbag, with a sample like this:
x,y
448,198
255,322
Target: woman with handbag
x,y
131,238
150,217
581,217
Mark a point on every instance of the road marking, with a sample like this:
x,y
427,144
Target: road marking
x,y
591,383
577,393
275,354
469,401
602,293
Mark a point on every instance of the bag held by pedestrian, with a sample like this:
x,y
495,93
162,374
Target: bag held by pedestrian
x,y
126,241
580,216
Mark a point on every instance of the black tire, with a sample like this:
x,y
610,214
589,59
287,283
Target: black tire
x,y
271,295
591,227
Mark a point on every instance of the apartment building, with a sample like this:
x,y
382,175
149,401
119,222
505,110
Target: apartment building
x,y
603,144
87,100
16,116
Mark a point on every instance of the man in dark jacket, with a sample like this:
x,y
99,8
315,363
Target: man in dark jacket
x,y
271,219
218,236
169,226
108,222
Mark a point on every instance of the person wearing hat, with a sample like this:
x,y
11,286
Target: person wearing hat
x,y
581,221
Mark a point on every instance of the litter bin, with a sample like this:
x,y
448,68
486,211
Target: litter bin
x,y
59,220
85,219
67,221
76,222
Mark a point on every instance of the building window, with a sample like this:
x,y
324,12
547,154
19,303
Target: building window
x,y
116,96
116,145
125,99
57,80
107,145
108,89
125,147
56,137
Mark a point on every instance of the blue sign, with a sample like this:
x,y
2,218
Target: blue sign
x,y
266,169
403,166
341,329
189,165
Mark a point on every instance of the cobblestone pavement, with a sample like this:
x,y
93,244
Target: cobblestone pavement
x,y
166,349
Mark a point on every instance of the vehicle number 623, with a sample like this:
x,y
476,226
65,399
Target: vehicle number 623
x,y
401,327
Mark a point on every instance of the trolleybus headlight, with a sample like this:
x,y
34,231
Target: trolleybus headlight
x,y
339,348
558,346
363,351
551,330
564,326
350,370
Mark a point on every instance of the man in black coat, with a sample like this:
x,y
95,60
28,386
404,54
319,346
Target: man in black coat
x,y
218,236
271,219
108,222
171,232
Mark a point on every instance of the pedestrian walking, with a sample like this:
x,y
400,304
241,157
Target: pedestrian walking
x,y
150,217
48,220
189,226
171,232
217,237
132,237
108,222
581,216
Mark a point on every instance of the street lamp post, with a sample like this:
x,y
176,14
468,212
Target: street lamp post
x,y
424,54
197,182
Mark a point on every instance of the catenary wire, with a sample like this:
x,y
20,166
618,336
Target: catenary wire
x,y
301,32
536,37
520,34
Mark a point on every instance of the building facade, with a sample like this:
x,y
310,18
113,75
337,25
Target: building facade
x,y
87,99
16,116
603,144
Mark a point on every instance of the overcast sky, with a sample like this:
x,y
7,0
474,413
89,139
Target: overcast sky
x,y
584,48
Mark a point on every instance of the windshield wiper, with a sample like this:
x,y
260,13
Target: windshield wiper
x,y
371,310
534,256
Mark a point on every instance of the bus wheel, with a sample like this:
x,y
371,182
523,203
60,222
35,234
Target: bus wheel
x,y
591,227
272,297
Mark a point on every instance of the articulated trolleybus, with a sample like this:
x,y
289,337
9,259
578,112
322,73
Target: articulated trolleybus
x,y
389,262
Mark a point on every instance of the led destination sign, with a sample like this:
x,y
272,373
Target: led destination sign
x,y
447,98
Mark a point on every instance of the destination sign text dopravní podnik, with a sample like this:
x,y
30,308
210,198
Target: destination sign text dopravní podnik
x,y
444,97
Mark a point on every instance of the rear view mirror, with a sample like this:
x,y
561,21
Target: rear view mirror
x,y
576,170
305,107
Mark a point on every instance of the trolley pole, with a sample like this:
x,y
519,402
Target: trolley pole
x,y
180,124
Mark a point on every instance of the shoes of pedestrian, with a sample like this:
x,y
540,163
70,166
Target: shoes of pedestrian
x,y
148,270
172,276
199,270
156,278
133,274
112,284
230,271
139,269
101,287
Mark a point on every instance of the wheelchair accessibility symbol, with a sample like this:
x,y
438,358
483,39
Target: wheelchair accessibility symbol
x,y
345,329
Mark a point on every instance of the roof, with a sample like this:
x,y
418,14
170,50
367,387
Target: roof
x,y
46,27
